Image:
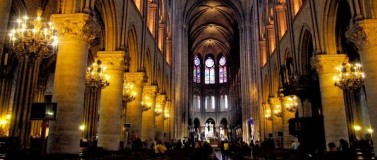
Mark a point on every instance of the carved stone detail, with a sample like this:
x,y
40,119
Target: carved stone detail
x,y
327,63
77,26
150,91
161,99
114,60
137,78
363,33
280,7
274,101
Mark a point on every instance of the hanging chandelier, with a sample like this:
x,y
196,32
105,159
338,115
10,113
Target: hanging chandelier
x,y
277,110
157,112
275,104
291,103
146,105
33,37
267,113
96,76
349,76
129,92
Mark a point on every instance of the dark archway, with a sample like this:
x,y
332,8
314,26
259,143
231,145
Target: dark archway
x,y
224,133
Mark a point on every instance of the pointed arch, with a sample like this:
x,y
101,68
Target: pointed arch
x,y
110,19
306,50
133,49
328,36
148,65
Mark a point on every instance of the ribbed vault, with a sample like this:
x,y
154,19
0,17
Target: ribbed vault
x,y
212,27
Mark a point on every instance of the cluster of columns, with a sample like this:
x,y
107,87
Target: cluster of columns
x,y
276,122
77,33
147,124
362,33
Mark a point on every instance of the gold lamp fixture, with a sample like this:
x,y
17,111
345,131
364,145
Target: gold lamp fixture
x,y
129,92
267,113
166,116
157,112
277,110
96,75
33,37
31,40
291,103
146,105
349,76
275,104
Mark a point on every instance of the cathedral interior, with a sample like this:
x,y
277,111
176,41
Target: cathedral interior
x,y
106,72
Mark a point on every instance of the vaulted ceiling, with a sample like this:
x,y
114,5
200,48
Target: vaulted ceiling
x,y
213,27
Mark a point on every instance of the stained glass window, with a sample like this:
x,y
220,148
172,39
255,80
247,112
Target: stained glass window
x,y
222,70
196,73
209,71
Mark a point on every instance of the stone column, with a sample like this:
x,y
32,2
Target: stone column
x,y
159,120
5,7
286,116
168,50
363,34
161,36
75,32
166,115
133,115
267,121
148,130
277,122
110,110
152,9
333,108
281,19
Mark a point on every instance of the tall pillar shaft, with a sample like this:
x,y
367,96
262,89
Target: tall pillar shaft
x,y
281,19
159,120
286,116
333,108
148,130
166,115
364,37
5,76
134,109
277,122
110,111
152,17
75,32
161,36
5,7
26,86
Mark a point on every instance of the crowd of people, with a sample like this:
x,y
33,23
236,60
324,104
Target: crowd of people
x,y
202,150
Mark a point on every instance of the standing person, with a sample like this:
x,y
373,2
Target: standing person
x,y
159,149
226,150
137,145
178,145
251,148
221,145
207,150
333,153
198,151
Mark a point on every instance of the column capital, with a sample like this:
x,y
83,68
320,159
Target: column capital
x,y
270,26
274,101
280,7
161,99
138,78
114,60
150,91
363,33
78,26
327,63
